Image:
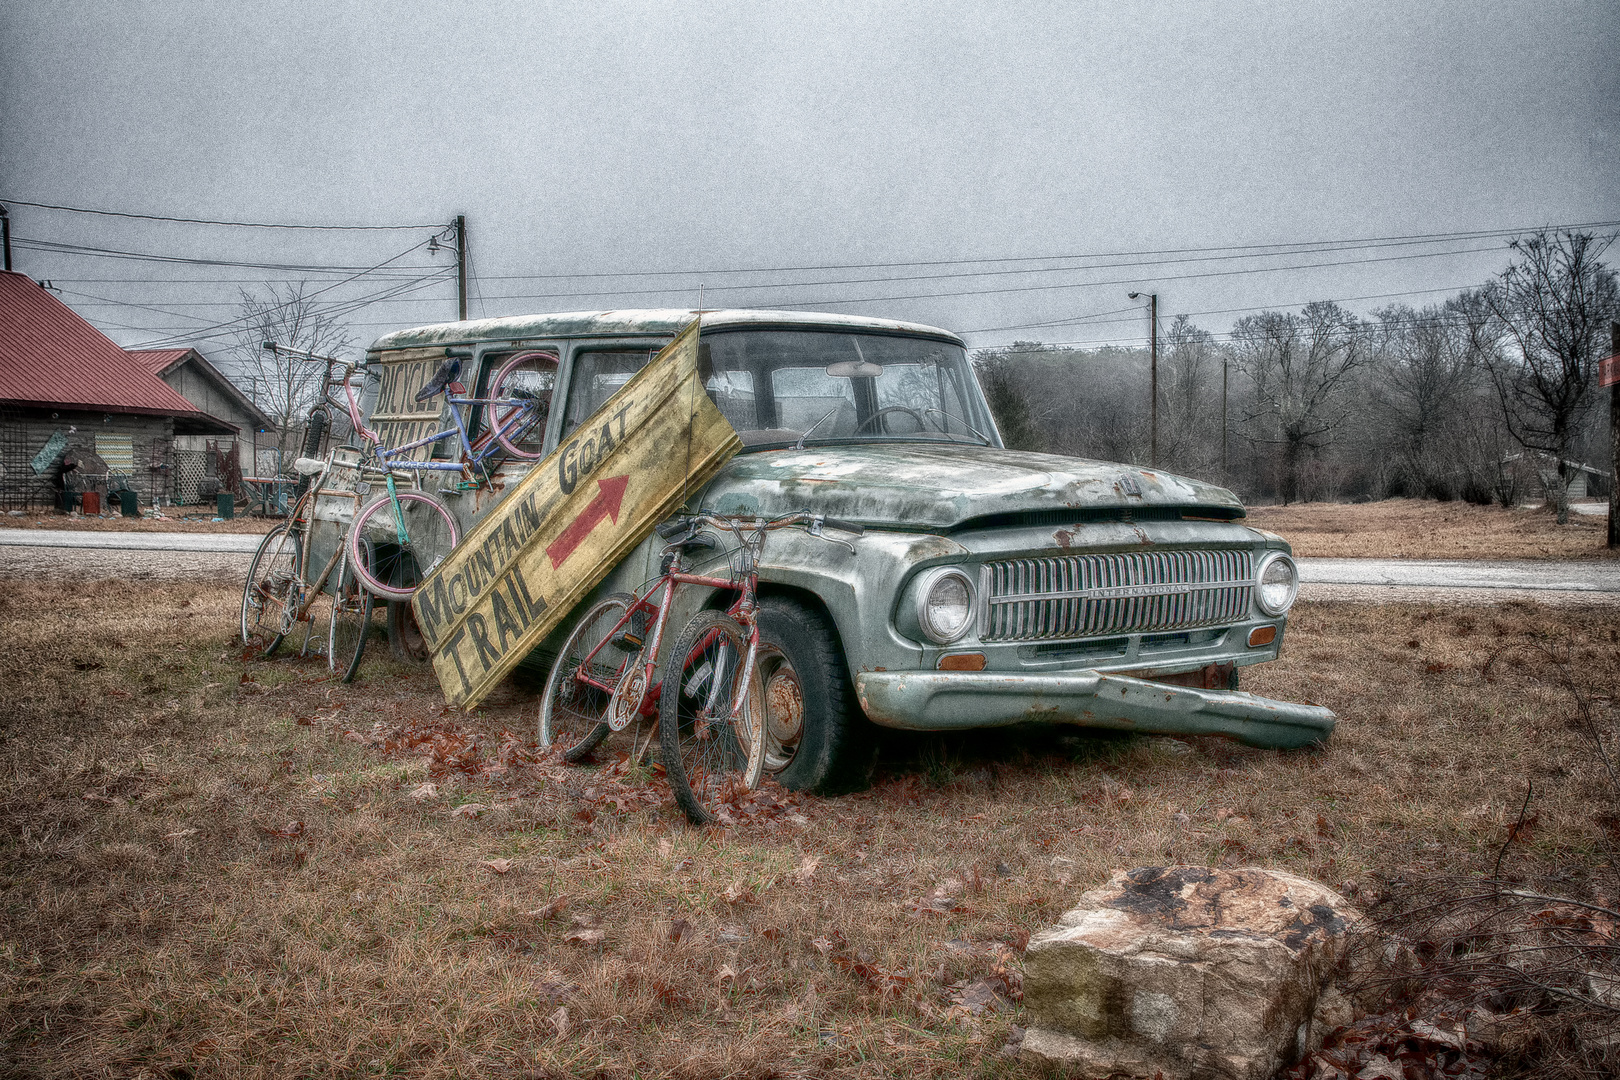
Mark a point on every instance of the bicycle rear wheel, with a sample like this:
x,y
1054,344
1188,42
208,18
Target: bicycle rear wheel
x,y
526,379
270,586
397,562
710,755
350,623
579,691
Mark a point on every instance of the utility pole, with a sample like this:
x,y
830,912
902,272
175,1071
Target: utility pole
x,y
5,228
461,267
1608,369
1153,374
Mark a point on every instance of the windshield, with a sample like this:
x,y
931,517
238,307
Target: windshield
x,y
778,386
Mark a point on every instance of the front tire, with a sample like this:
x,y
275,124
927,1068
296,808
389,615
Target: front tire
x,y
710,755
270,584
817,738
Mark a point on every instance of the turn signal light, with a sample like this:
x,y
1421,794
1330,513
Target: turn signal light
x,y
962,661
1262,635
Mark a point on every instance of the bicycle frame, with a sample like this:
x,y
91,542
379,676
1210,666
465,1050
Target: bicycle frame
x,y
475,453
741,610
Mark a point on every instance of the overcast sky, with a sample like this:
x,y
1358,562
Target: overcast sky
x,y
639,137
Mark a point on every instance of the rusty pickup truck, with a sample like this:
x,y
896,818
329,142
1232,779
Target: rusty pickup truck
x,y
991,587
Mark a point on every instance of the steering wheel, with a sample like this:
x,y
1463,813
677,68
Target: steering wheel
x,y
922,425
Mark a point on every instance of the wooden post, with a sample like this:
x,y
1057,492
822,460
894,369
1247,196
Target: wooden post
x,y
1614,442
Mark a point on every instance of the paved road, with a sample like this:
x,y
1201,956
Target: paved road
x,y
130,541
53,553
1588,576
74,555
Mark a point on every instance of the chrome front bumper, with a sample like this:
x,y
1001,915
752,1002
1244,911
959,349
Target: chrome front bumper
x,y
947,700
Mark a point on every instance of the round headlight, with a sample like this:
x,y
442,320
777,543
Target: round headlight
x,y
1276,583
945,606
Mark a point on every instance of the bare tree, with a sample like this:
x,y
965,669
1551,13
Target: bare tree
x,y
1188,361
1554,304
1300,368
1428,386
1003,380
284,386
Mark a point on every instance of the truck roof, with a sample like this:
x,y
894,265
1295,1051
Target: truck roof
x,y
651,322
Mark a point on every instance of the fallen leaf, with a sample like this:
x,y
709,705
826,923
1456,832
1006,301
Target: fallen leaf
x,y
736,892
666,848
976,997
289,832
586,935
560,1022
469,810
500,866
552,909
727,974
181,834
423,792
807,868
679,929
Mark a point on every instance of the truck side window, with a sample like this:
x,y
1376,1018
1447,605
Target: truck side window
x,y
597,374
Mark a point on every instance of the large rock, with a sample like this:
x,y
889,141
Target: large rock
x,y
1190,972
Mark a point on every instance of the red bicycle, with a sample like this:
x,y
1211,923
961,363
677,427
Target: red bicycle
x,y
707,705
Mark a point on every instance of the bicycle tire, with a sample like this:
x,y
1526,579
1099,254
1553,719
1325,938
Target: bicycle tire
x,y
393,570
349,624
709,756
314,434
536,382
573,715
272,571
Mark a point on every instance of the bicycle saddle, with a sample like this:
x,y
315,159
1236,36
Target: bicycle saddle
x,y
442,378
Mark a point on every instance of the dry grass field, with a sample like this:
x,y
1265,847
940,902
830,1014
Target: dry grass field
x,y
213,866
1424,529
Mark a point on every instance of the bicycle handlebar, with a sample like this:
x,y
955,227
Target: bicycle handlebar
x,y
738,523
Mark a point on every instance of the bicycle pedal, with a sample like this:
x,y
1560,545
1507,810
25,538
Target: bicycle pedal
x,y
627,641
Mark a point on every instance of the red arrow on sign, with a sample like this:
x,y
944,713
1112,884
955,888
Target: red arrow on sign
x,y
609,497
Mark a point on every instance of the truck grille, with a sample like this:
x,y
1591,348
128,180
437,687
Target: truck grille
x,y
1080,596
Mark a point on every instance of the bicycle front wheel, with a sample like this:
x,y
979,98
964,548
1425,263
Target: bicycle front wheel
x,y
404,546
579,691
710,754
350,623
270,587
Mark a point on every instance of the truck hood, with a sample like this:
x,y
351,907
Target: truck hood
x,y
945,486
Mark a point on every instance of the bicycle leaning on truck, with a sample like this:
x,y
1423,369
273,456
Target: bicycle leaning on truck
x,y
384,546
708,704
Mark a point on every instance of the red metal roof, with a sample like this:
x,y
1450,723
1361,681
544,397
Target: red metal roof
x,y
49,356
158,360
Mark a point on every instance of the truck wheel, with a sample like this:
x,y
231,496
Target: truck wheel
x,y
816,737
405,640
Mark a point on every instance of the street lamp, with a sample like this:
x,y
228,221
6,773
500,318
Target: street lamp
x,y
1153,368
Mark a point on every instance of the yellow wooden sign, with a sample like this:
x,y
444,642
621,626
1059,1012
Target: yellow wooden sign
x,y
575,516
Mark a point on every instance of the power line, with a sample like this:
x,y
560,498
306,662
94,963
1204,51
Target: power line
x,y
55,247
1217,311
230,324
209,221
1260,249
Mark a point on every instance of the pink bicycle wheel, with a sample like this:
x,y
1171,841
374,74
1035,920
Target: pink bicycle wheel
x,y
387,564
